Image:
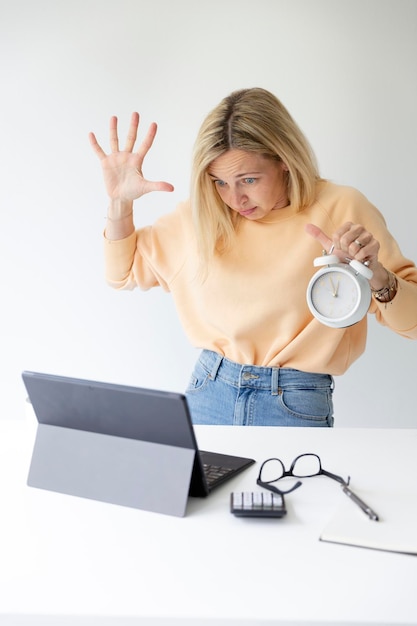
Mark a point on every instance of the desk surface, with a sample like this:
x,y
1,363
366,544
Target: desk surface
x,y
63,556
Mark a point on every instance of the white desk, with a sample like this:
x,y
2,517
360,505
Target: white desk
x,y
67,560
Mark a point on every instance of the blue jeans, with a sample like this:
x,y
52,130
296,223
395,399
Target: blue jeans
x,y
227,393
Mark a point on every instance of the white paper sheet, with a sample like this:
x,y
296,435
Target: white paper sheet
x,y
396,530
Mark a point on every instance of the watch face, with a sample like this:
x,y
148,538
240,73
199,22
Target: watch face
x,y
335,294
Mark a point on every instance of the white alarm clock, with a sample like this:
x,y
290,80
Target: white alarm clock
x,y
339,294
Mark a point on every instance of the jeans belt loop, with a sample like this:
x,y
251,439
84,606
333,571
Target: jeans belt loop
x,y
274,381
215,368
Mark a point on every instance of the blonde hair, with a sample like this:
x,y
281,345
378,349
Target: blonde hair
x,y
253,120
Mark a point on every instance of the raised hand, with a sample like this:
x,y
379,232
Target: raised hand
x,y
122,169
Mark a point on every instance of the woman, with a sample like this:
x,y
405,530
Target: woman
x,y
238,257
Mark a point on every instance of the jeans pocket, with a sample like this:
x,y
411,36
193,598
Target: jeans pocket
x,y
199,378
309,404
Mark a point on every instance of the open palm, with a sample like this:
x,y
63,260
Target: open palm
x,y
122,169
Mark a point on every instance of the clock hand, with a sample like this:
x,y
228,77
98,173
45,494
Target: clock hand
x,y
335,289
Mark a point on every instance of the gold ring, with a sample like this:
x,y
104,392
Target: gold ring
x,y
358,243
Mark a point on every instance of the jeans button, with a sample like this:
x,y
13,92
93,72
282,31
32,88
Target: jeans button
x,y
249,376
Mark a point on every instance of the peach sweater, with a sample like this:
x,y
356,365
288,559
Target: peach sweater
x,y
252,307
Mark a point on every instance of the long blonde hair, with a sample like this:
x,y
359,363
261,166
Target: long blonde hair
x,y
256,121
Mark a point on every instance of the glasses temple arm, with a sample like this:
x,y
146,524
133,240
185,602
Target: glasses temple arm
x,y
336,477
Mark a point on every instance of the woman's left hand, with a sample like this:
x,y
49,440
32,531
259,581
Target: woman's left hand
x,y
353,241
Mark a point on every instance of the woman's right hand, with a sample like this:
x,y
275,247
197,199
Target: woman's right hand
x,y
122,169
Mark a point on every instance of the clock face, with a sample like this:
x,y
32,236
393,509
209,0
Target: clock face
x,y
335,294
339,295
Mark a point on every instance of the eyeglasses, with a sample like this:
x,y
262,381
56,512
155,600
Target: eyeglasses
x,y
304,466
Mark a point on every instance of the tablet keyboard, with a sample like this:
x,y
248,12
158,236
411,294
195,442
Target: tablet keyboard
x,y
215,473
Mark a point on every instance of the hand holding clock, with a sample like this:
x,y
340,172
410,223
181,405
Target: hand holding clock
x,y
339,294
353,241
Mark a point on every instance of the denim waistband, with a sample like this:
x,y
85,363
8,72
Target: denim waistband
x,y
257,377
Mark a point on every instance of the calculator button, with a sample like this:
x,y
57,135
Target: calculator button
x,y
257,504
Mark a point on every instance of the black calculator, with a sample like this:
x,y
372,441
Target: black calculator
x,y
257,504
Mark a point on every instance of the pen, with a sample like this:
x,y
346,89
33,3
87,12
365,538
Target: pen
x,y
361,504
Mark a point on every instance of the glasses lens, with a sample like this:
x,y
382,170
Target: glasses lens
x,y
306,465
271,471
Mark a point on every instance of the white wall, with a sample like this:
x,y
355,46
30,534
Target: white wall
x,y
346,69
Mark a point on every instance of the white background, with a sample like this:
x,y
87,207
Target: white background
x,y
346,70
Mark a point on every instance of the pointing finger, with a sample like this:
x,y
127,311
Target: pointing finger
x,y
318,234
